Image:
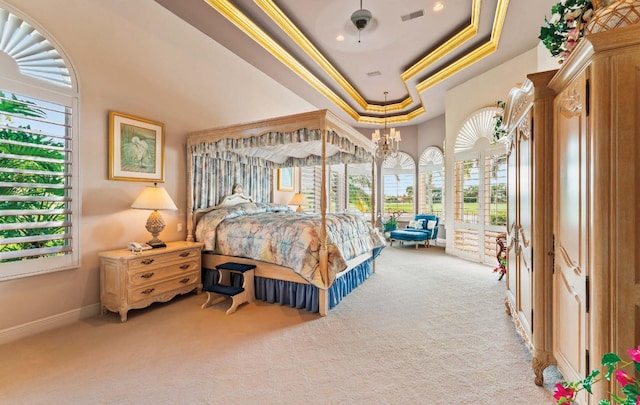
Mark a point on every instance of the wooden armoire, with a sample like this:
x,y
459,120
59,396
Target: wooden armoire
x,y
527,119
593,162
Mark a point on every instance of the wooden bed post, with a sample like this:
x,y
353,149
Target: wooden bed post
x,y
190,219
324,254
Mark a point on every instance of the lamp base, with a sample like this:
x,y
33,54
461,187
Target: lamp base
x,y
155,245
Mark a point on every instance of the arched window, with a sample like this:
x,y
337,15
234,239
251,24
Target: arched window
x,y
480,198
398,184
431,182
39,201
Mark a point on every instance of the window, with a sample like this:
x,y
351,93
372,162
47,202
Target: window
x,y
337,188
480,189
359,180
349,186
431,183
398,178
310,178
38,182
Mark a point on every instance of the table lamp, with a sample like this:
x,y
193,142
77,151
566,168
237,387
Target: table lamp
x,y
298,199
154,198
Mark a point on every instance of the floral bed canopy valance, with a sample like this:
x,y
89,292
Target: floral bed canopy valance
x,y
285,143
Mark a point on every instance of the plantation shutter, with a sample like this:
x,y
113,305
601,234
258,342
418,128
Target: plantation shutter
x,y
311,177
359,182
35,178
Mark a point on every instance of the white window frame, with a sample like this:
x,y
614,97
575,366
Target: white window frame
x,y
431,161
407,165
34,84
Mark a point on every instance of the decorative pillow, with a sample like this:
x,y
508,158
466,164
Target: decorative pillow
x,y
417,224
431,224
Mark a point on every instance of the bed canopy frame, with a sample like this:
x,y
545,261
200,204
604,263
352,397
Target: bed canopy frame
x,y
247,154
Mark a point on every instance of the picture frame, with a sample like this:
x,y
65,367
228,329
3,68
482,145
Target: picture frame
x,y
136,148
286,179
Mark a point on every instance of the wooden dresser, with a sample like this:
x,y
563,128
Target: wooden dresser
x,y
132,281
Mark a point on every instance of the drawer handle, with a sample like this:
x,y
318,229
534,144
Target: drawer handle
x,y
147,275
148,291
184,266
185,254
185,280
148,261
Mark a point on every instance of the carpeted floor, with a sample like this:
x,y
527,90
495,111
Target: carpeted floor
x,y
425,328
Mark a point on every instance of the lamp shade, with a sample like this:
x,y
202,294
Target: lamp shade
x,y
298,199
154,198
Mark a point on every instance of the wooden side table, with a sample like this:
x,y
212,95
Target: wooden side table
x,y
132,281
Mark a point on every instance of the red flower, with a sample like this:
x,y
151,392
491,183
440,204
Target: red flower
x,y
624,378
634,354
564,392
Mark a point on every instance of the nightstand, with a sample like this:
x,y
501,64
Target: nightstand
x,y
132,281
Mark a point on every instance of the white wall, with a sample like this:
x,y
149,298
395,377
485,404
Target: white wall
x,y
138,58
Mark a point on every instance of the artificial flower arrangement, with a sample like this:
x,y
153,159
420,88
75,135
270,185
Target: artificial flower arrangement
x,y
566,392
561,33
498,131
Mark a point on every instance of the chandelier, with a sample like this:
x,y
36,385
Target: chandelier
x,y
389,142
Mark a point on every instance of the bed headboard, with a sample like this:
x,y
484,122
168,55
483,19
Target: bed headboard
x,y
236,197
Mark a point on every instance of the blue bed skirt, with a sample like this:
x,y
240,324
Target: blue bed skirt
x,y
306,296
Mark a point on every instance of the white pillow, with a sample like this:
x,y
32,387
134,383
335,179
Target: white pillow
x,y
431,224
414,224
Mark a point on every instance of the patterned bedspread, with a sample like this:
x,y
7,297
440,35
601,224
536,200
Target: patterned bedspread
x,y
274,234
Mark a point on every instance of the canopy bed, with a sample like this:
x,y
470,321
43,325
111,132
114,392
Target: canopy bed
x,y
336,250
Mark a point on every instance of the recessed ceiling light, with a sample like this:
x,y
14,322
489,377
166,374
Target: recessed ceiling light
x,y
340,38
438,6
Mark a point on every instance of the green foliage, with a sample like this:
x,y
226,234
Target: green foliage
x,y
566,392
44,159
498,131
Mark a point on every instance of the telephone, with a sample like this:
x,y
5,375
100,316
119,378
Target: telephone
x,y
137,247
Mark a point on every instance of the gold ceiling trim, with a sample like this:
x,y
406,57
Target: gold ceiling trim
x,y
473,56
289,28
245,24
449,46
285,24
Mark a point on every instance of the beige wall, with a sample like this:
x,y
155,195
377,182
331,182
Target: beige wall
x,y
135,57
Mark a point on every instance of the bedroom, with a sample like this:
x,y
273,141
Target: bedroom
x,y
136,57
130,57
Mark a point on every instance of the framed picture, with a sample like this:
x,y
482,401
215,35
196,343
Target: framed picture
x,y
285,179
136,148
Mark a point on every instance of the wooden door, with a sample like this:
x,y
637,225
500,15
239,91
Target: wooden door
x,y
570,230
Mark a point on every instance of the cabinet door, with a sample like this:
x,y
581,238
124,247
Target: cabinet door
x,y
625,198
570,230
519,185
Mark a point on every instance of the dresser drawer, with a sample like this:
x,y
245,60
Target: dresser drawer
x,y
145,261
157,289
161,271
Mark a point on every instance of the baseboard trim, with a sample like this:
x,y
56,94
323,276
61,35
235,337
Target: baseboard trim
x,y
48,323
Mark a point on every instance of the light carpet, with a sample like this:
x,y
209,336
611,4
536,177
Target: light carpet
x,y
425,328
